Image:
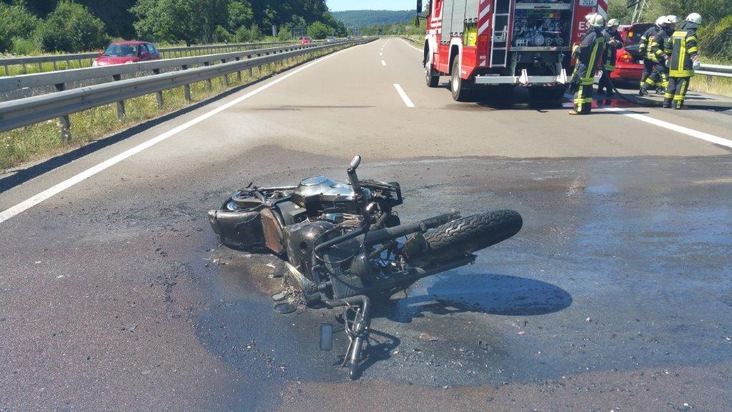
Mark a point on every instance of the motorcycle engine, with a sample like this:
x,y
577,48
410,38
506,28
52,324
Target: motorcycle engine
x,y
300,239
318,194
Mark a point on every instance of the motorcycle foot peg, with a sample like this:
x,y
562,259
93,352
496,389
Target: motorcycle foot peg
x,y
326,337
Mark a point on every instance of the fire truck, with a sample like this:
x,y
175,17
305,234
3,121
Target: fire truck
x,y
496,45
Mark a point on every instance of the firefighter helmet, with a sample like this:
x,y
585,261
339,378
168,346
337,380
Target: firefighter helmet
x,y
613,23
661,21
596,20
694,18
671,19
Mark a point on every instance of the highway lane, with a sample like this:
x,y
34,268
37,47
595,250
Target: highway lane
x,y
115,296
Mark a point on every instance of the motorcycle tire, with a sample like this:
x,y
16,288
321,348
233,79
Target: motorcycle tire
x,y
466,235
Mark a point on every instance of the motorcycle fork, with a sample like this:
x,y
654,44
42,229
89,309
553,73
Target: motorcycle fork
x,y
357,331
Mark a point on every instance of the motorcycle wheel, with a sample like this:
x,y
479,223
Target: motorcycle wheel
x,y
468,234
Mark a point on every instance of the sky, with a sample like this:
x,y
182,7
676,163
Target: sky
x,y
341,5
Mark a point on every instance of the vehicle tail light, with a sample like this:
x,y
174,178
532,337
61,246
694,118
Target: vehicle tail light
x,y
625,58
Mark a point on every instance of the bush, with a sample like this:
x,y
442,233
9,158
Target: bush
x,y
319,30
24,47
17,23
244,35
715,41
71,28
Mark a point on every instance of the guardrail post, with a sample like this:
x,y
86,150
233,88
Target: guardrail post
x,y
187,92
64,120
121,103
158,95
208,81
226,76
238,73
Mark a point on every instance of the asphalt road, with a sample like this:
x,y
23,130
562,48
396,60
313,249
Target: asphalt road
x,y
616,294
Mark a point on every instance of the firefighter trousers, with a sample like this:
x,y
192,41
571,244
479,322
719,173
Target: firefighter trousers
x,y
583,81
657,78
675,92
648,65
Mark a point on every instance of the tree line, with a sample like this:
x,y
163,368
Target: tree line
x,y
30,26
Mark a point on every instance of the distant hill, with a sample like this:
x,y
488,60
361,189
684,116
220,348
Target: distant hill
x,y
368,18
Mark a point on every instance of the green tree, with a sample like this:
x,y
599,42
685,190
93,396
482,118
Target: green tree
x,y
71,28
17,23
165,20
240,15
318,30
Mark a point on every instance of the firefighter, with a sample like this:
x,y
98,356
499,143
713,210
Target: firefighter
x,y
684,59
656,52
613,41
588,54
643,50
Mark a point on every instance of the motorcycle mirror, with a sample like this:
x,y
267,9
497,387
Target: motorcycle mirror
x,y
355,162
326,336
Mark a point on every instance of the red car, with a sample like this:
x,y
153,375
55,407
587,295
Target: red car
x,y
130,51
306,40
629,63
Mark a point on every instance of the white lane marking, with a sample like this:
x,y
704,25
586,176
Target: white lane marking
x,y
676,128
403,95
48,193
383,63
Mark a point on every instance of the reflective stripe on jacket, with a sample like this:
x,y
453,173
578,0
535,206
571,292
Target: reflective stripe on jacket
x,y
643,48
683,48
590,51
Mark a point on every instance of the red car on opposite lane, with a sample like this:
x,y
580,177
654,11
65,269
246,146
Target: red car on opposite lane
x,y
129,51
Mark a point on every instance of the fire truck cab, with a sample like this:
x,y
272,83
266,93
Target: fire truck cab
x,y
493,45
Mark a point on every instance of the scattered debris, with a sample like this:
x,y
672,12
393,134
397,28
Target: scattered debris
x,y
428,337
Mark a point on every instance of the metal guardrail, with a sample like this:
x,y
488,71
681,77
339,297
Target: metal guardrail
x,y
31,110
61,78
714,70
167,52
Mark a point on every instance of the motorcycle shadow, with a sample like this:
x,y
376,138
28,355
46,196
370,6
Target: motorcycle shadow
x,y
475,292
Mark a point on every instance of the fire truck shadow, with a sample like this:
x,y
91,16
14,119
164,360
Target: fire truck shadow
x,y
515,98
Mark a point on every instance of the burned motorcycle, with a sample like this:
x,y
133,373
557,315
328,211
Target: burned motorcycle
x,y
343,244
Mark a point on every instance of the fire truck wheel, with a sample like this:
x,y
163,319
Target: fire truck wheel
x,y
458,86
430,75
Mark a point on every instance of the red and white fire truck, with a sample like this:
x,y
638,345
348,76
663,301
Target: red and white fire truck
x,y
498,44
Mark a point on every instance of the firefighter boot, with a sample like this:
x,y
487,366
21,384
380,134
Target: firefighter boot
x,y
667,103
